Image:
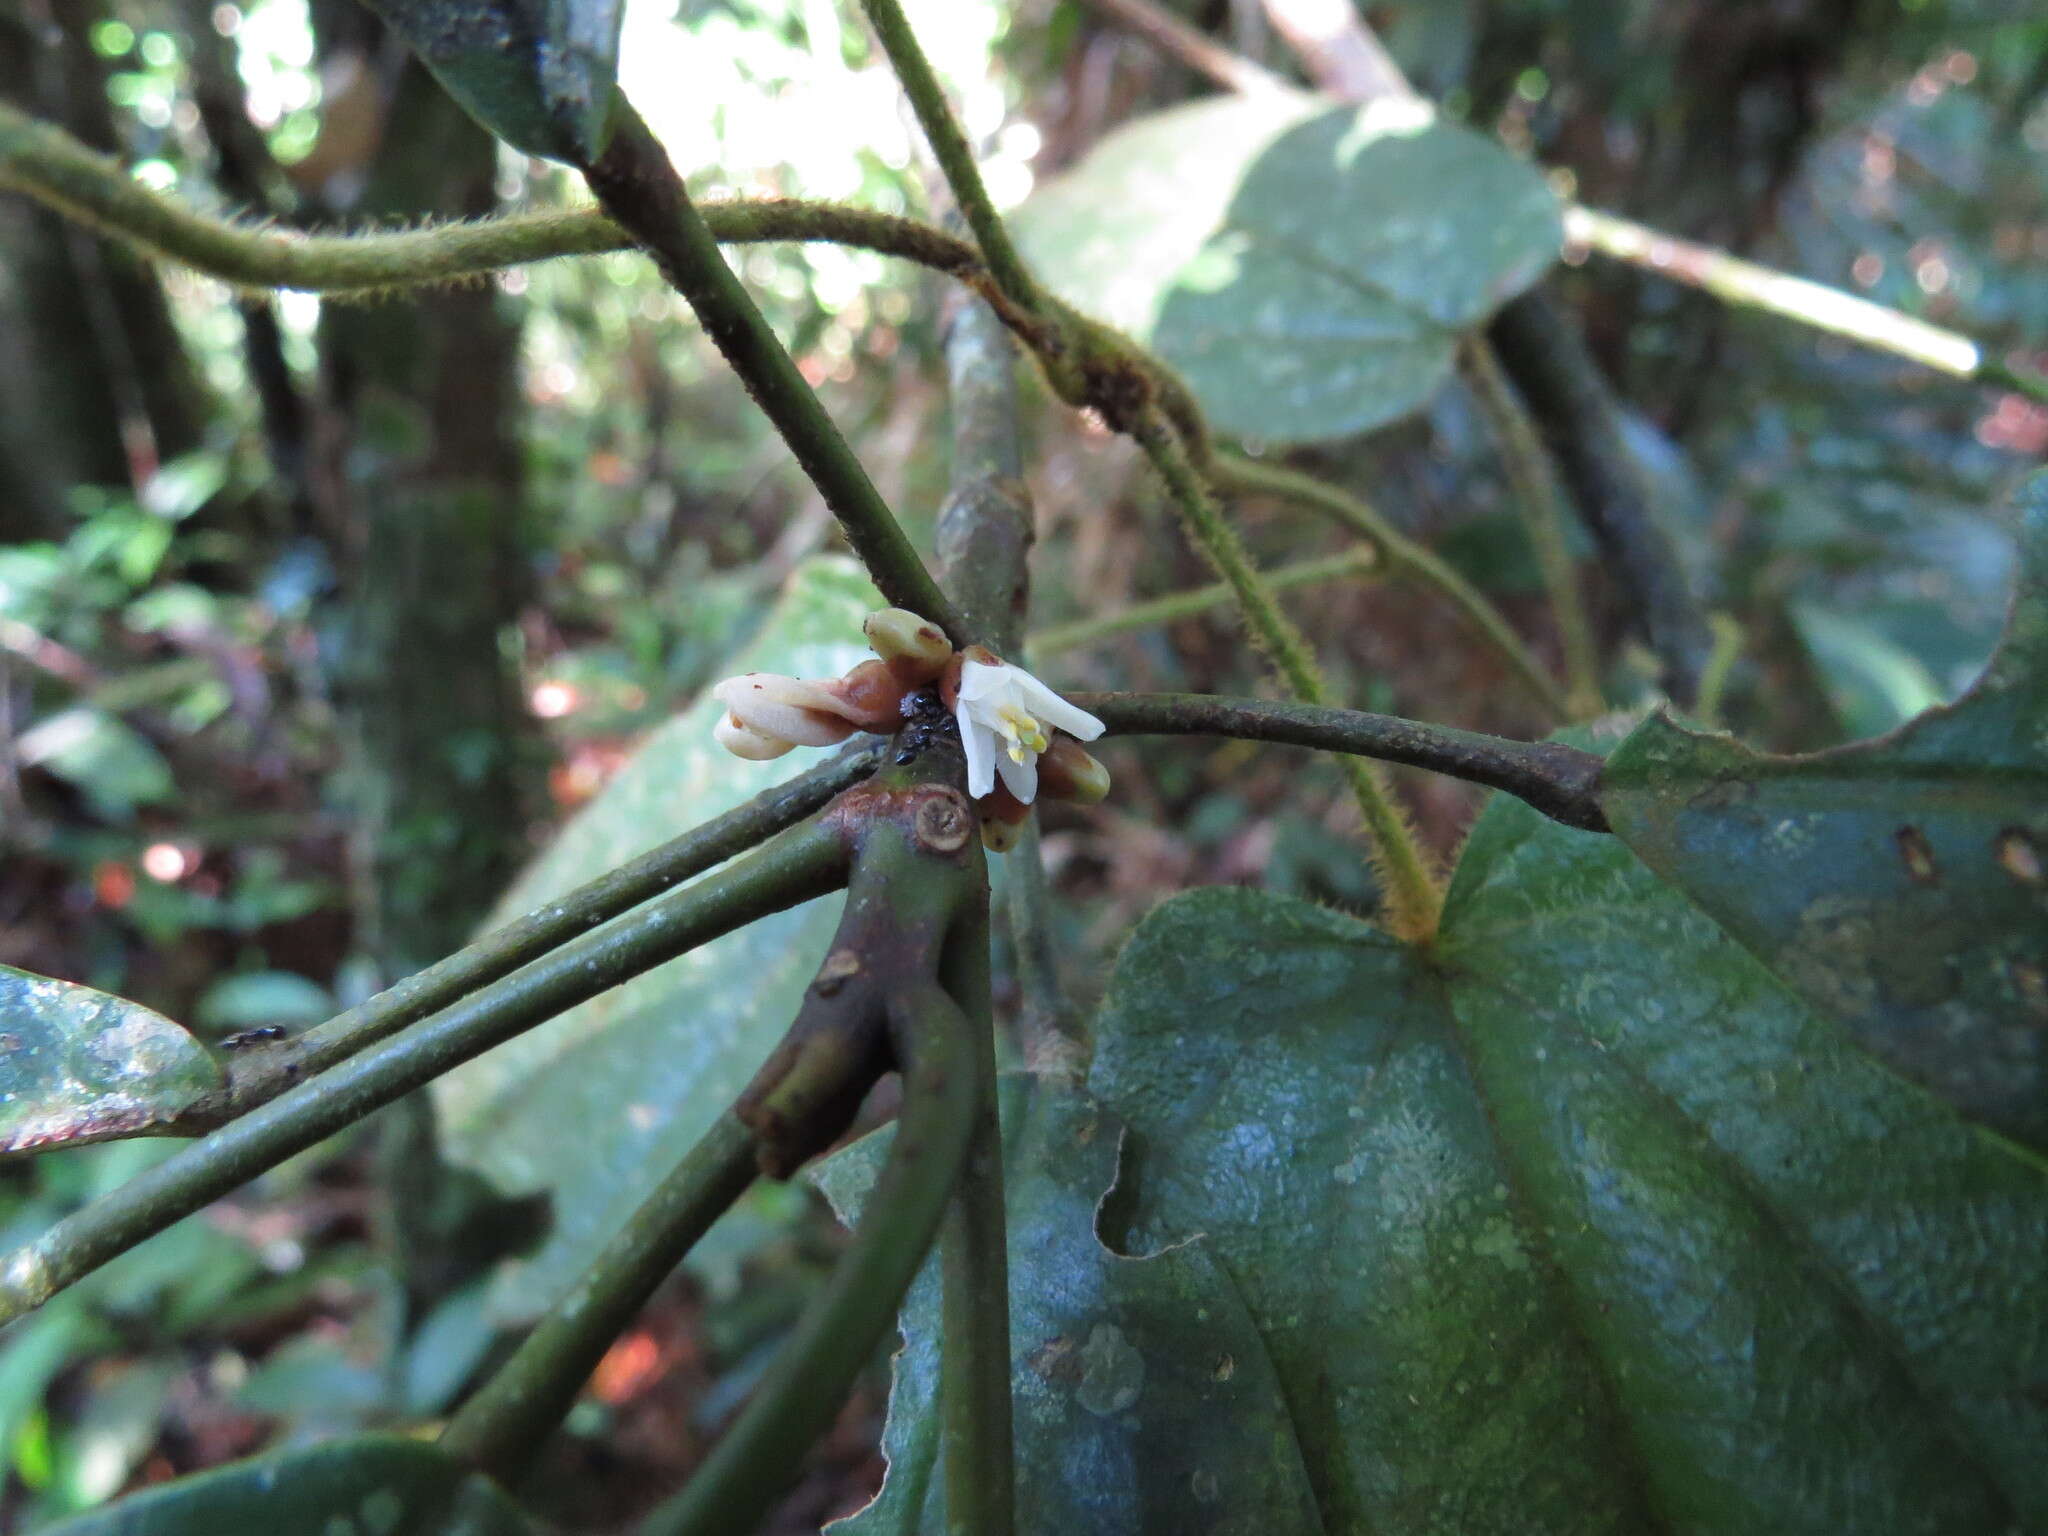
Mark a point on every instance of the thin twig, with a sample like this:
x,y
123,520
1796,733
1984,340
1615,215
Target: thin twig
x,y
1748,285
949,146
1175,38
637,185
803,862
1401,554
1560,781
1182,605
260,1075
1539,500
500,1429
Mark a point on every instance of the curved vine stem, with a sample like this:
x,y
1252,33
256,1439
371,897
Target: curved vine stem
x,y
803,862
499,1429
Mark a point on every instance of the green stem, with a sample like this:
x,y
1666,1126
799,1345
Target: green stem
x,y
1197,600
1537,495
1052,1035
261,1075
803,862
1748,285
979,1453
637,185
1405,559
841,1328
499,1430
1586,431
1414,898
949,145
1560,781
985,530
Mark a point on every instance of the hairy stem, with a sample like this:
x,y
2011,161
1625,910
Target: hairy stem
x,y
1560,781
1196,600
1402,555
1539,499
501,1428
637,185
840,1329
1412,893
949,146
258,1076
803,862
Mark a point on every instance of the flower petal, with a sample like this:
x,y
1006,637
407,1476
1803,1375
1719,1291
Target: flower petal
x,y
1054,710
1021,779
789,707
979,680
979,743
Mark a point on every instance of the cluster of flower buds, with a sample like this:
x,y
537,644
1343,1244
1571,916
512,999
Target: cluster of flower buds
x,y
1021,739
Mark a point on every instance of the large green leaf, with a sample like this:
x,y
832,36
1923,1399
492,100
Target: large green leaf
x,y
1144,1399
1900,884
78,1065
1584,1223
1308,272
537,73
371,1485
596,1106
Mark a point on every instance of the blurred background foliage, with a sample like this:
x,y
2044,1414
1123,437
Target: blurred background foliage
x,y
316,622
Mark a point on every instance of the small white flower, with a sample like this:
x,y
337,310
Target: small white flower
x,y
1007,718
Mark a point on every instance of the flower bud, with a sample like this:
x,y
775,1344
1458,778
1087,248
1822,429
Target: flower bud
x,y
871,695
1068,771
915,650
1002,819
741,741
789,708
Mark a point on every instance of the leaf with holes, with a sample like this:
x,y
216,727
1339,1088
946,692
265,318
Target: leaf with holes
x,y
1899,884
78,1065
1583,1223
365,1484
1144,1400
593,1107
1308,272
537,73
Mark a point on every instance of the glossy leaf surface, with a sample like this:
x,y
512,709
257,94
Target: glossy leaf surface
x,y
78,1065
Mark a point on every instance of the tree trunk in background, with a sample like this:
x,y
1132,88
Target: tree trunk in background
x,y
426,471
95,384
420,479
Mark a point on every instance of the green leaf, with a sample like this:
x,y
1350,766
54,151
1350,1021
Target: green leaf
x,y
1873,682
1144,1399
1583,1223
1900,884
105,759
78,1065
250,999
595,1106
538,73
1328,293
371,1483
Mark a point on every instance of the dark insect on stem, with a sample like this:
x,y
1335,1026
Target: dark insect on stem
x,y
262,1035
926,716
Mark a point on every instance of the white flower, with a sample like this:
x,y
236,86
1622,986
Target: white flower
x,y
1004,707
767,714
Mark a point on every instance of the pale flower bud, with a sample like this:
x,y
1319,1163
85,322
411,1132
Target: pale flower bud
x,y
741,741
790,709
1068,771
915,649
